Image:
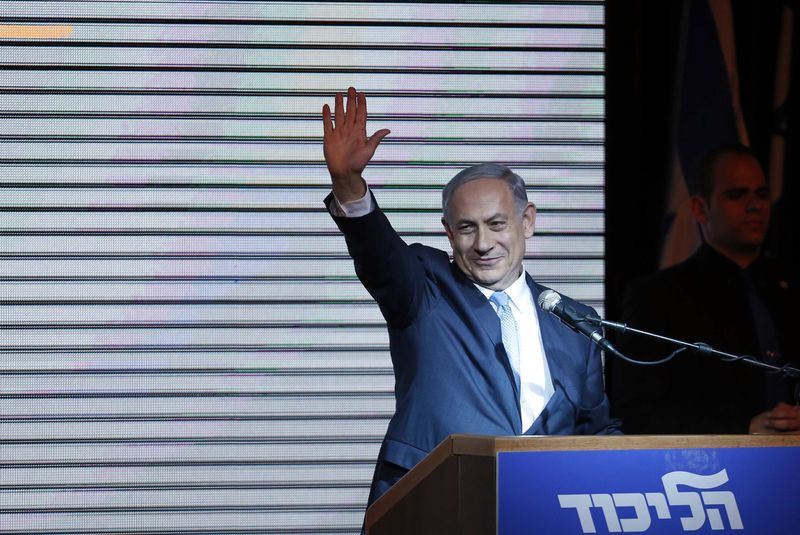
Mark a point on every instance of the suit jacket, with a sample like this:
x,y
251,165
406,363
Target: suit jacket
x,y
702,299
451,371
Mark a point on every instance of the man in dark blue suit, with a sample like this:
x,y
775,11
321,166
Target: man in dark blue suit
x,y
471,351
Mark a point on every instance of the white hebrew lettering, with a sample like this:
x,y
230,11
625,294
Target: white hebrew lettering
x,y
658,501
727,500
641,522
691,499
707,504
583,505
604,502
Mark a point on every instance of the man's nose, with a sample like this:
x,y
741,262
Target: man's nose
x,y
482,242
756,202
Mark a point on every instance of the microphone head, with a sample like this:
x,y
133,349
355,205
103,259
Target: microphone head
x,y
548,300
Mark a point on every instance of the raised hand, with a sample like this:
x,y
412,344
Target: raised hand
x,y
346,147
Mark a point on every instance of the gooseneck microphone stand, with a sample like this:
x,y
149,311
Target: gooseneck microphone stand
x,y
785,370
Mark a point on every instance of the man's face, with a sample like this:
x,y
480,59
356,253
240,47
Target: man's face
x,y
736,217
487,232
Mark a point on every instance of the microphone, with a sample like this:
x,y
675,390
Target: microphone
x,y
550,301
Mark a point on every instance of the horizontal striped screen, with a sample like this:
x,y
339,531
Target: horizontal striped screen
x,y
184,346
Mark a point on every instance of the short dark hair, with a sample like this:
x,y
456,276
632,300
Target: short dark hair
x,y
487,170
701,179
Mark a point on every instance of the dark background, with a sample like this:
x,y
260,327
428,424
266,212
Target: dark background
x,y
642,40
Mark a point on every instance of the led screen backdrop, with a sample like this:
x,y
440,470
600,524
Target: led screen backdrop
x,y
184,347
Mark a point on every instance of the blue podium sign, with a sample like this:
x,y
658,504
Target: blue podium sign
x,y
653,491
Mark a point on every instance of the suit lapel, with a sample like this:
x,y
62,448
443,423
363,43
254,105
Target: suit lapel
x,y
552,330
485,315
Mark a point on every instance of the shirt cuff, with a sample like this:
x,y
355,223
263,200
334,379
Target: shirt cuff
x,y
359,207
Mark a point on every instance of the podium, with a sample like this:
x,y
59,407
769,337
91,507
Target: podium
x,y
663,484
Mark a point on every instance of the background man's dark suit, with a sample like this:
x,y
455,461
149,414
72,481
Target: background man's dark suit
x,y
700,300
452,374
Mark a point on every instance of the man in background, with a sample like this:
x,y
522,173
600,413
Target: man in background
x,y
730,295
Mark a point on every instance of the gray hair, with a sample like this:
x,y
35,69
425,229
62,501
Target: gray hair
x,y
487,170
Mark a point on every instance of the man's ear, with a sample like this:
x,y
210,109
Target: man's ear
x,y
529,219
699,209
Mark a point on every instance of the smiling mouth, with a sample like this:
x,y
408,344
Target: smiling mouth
x,y
484,262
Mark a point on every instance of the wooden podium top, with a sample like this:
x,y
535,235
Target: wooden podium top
x,y
489,446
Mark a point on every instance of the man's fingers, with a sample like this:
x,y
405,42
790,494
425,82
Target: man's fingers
x,y
783,424
784,410
376,138
346,146
339,109
327,124
350,116
361,111
783,418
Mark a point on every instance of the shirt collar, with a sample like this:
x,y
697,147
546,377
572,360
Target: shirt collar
x,y
516,292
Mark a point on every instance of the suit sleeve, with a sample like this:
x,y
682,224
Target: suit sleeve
x,y
387,267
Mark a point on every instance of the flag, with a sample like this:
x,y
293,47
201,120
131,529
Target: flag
x,y
783,160
707,113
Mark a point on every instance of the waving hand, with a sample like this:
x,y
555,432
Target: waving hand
x,y
346,147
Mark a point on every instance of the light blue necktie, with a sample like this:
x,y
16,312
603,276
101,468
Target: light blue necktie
x,y
509,329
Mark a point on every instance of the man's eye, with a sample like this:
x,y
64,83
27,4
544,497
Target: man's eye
x,y
466,229
497,225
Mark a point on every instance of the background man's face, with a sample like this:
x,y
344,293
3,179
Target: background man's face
x,y
736,217
487,232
